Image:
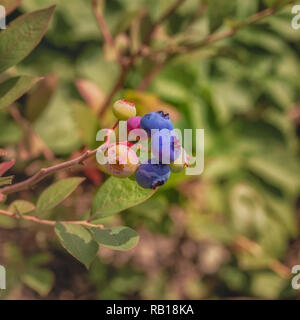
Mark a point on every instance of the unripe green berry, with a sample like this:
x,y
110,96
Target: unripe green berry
x,y
124,161
123,109
176,167
181,163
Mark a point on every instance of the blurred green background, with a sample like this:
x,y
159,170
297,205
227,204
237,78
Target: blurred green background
x,y
233,231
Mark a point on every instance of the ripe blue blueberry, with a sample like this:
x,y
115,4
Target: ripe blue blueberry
x,y
151,176
165,146
156,120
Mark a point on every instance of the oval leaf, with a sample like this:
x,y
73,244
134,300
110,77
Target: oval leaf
x,y
22,36
77,241
91,93
116,238
56,193
39,280
13,88
5,166
116,195
38,99
21,207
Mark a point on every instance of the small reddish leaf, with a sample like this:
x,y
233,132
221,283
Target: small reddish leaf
x,y
94,175
5,166
91,93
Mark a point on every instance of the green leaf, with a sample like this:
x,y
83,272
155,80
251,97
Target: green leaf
x,y
267,285
10,132
229,99
90,62
218,10
10,5
21,207
247,210
59,114
56,193
87,123
22,36
7,222
38,99
39,280
77,241
38,259
13,88
280,170
116,238
116,195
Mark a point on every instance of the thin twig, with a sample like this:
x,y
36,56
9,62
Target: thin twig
x,y
256,250
214,37
150,76
44,172
162,19
118,85
108,38
169,11
48,154
173,52
102,24
127,63
49,222
199,11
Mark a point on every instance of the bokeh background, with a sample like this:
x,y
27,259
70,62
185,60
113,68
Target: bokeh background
x,y
232,232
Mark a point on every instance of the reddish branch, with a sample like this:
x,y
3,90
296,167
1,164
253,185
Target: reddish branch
x,y
119,84
48,222
101,23
44,172
212,38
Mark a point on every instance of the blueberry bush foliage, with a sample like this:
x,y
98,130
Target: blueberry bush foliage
x,y
228,67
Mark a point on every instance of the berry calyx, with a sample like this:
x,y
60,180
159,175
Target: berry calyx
x,y
123,109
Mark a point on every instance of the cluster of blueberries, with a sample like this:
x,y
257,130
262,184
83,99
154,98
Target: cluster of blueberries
x,y
165,145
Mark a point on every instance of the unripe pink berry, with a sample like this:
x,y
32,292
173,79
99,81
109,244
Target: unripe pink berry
x,y
133,123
